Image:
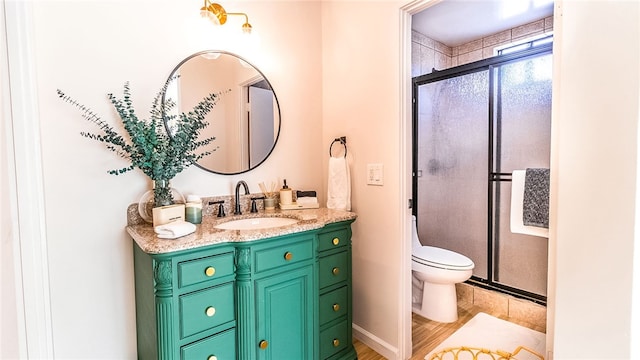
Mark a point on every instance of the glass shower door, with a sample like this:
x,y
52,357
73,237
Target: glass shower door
x,y
452,141
522,140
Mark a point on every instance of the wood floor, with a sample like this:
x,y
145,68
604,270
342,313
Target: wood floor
x,y
428,334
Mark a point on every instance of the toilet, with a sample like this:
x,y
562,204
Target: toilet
x,y
435,273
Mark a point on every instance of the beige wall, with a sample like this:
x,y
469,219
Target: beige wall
x,y
9,307
12,331
594,136
361,81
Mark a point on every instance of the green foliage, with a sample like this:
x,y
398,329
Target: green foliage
x,y
148,145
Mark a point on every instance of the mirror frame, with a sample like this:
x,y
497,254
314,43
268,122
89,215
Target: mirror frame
x,y
275,97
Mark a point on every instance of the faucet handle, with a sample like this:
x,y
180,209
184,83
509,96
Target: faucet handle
x,y
220,207
254,207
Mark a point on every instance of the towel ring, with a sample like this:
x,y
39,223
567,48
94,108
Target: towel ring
x,y
342,140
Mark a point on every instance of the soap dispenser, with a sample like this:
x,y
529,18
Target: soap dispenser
x,y
285,194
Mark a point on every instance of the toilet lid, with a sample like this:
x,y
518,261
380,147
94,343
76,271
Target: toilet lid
x,y
442,258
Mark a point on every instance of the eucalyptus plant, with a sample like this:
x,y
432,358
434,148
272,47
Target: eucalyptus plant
x,y
147,144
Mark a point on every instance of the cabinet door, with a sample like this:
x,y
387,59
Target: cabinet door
x,y
285,320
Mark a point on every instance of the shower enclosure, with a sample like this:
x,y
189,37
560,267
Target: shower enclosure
x,y
473,126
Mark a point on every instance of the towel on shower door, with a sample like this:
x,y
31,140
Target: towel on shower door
x,y
339,186
517,197
535,203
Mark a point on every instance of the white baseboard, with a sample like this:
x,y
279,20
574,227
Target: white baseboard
x,y
378,345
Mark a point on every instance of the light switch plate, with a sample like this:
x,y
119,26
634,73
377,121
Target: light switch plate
x,y
375,174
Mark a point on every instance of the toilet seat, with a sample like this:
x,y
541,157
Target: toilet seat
x,y
441,258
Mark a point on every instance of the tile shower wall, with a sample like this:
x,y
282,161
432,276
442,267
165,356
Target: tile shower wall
x,y
427,54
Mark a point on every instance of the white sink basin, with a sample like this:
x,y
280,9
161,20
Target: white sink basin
x,y
256,223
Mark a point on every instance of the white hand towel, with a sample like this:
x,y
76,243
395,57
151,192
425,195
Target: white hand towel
x,y
174,229
339,186
517,197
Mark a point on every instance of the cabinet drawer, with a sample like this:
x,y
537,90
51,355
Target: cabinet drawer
x,y
333,239
207,308
221,346
205,269
333,339
333,305
283,255
333,269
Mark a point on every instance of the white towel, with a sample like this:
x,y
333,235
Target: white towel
x,y
339,187
174,229
517,196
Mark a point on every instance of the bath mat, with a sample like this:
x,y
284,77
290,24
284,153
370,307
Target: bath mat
x,y
488,332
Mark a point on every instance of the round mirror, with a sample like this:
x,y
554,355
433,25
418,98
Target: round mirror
x,y
246,119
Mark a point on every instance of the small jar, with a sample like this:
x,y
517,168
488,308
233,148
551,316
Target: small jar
x,y
269,203
193,209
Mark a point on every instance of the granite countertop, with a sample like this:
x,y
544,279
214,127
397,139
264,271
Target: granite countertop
x,y
206,233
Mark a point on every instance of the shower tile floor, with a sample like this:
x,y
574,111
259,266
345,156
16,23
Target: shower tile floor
x,y
428,334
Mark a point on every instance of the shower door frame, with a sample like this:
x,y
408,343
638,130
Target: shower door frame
x,y
489,65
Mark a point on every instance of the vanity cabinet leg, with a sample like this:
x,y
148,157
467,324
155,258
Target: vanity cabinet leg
x,y
245,302
164,310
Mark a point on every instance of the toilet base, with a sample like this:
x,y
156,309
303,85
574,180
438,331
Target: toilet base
x,y
439,303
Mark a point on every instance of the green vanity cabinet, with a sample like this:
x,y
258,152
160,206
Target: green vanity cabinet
x,y
334,291
185,304
279,306
281,298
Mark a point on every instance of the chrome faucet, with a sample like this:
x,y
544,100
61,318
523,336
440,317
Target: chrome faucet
x,y
246,192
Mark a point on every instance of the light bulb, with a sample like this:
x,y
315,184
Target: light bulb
x,y
214,19
246,28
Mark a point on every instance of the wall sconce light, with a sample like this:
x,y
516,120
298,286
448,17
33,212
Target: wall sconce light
x,y
217,15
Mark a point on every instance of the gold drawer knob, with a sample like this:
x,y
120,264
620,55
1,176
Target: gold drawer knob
x,y
288,256
335,271
336,307
210,311
212,357
263,344
335,241
336,342
210,271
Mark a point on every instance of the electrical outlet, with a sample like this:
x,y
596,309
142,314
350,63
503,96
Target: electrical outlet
x,y
375,174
